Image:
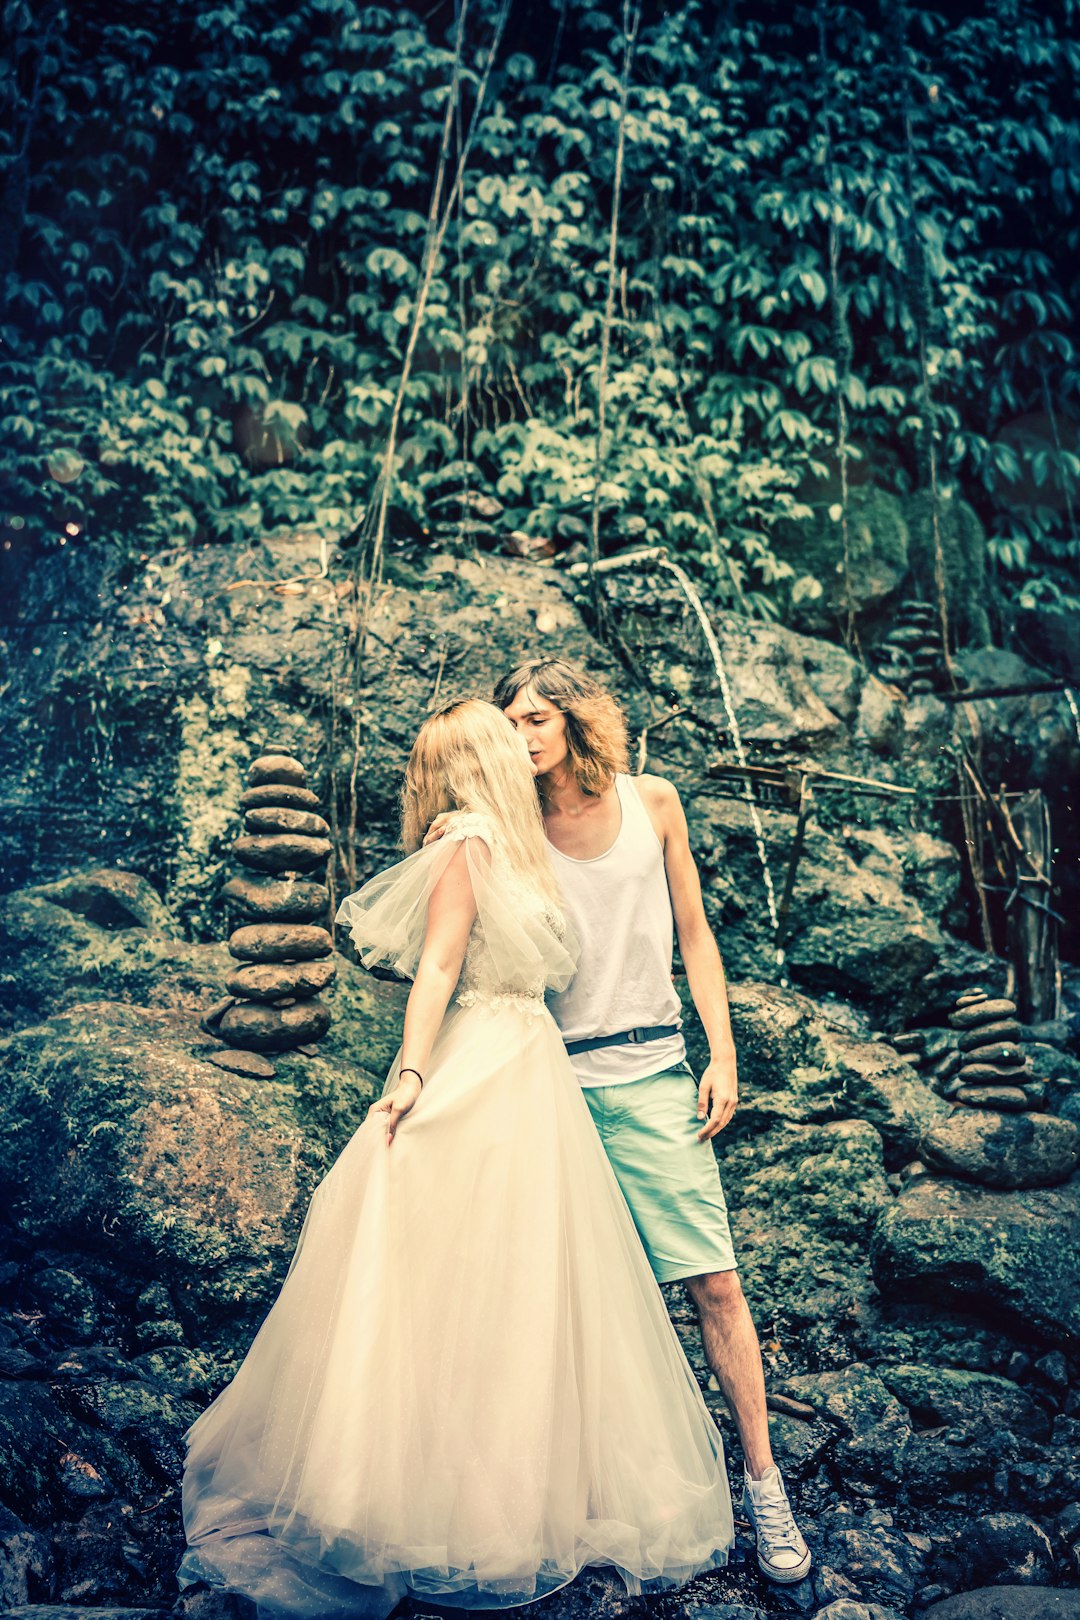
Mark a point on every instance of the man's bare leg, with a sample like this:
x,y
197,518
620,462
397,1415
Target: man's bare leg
x,y
734,1355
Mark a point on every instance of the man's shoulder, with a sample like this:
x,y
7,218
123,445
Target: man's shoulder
x,y
657,791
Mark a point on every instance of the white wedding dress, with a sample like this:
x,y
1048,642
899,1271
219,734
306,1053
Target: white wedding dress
x,y
468,1387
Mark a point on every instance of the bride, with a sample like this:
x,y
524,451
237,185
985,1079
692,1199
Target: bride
x,y
468,1387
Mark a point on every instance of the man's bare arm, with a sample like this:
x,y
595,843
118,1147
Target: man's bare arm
x,y
718,1091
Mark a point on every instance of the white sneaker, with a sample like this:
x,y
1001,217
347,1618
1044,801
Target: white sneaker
x,y
782,1554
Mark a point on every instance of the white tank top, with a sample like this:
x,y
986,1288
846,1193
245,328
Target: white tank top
x,y
620,905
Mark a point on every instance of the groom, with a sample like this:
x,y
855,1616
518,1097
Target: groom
x,y
622,856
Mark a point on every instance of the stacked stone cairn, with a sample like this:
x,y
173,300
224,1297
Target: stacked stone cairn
x,y
283,948
459,507
911,654
997,1135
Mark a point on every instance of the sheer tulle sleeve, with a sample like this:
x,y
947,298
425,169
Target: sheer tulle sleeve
x,y
519,942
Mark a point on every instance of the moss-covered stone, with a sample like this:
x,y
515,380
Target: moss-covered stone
x,y
877,559
963,555
115,1135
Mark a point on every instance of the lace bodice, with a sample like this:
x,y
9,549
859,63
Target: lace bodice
x,y
520,944
488,976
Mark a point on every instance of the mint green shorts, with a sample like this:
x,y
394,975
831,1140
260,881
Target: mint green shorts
x,y
669,1179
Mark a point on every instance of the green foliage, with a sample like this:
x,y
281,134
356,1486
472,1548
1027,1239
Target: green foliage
x,y
215,221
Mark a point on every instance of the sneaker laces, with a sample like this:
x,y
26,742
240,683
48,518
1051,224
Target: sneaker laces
x,y
774,1522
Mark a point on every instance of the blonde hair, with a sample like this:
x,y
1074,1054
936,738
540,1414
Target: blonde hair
x,y
595,724
466,757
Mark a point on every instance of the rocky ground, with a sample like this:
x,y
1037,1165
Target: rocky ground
x,y
911,1263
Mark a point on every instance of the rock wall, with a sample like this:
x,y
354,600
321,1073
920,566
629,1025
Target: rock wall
x,y
919,1362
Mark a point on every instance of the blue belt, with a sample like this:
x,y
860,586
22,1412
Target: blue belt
x,y
626,1037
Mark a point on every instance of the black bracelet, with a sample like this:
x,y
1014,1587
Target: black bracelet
x,y
417,1073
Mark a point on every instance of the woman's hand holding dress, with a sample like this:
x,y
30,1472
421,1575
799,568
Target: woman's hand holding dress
x,y
397,1104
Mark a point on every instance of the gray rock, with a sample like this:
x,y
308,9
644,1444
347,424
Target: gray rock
x,y
977,1013
851,1609
25,1562
79,1611
873,1427
111,898
281,819
1028,1150
796,1063
1007,1603
996,1548
279,793
1014,1251
829,1181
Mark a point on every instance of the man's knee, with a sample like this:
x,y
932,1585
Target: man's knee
x,y
716,1292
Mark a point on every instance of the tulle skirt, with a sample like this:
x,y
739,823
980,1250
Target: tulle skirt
x,y
468,1387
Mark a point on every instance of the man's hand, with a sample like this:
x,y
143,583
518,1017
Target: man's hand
x,y
718,1095
437,828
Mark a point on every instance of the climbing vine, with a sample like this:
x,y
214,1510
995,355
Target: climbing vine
x,y
328,250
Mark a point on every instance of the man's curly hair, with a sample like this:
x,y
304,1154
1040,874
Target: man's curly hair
x,y
595,724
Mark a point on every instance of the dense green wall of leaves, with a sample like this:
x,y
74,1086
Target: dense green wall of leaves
x,y
213,220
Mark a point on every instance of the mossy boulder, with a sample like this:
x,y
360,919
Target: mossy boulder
x,y
803,1200
962,541
116,1137
796,1064
823,591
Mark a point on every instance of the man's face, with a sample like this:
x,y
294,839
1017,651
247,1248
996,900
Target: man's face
x,y
543,728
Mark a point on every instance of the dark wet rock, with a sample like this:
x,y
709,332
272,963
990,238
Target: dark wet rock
x,y
880,1562
998,1547
66,1297
1031,1150
78,1611
111,898
280,942
263,899
197,1176
1052,1370
149,1335
872,1426
266,981
25,1562
853,1609
179,1370
1015,1251
1007,1602
276,768
280,852
274,1029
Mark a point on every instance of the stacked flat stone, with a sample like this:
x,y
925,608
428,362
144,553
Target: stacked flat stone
x,y
993,1071
281,900
911,654
1000,1138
